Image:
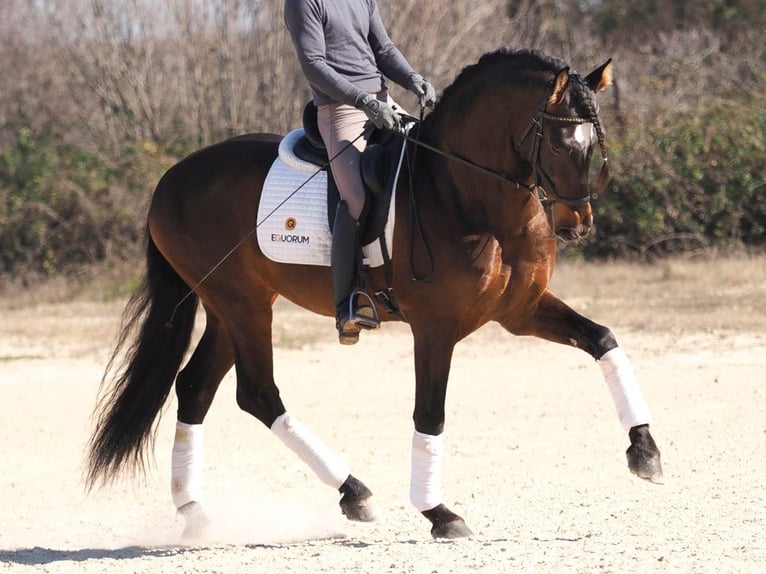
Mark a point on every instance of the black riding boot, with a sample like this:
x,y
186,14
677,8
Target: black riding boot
x,y
346,261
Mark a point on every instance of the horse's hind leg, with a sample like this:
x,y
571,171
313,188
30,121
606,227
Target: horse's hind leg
x,y
196,386
258,395
555,321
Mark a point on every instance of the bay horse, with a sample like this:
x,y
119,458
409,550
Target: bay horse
x,y
502,169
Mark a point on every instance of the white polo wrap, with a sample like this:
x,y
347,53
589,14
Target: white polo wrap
x,y
623,386
326,464
186,464
426,477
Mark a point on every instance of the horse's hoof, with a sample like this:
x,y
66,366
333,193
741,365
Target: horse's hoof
x,y
197,522
356,503
452,530
446,524
645,465
360,510
644,456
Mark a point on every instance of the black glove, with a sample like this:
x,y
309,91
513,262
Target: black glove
x,y
380,113
423,89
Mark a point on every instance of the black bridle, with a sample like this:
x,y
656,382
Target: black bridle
x,y
547,195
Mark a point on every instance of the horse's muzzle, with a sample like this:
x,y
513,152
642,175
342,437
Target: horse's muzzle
x,y
572,233
572,224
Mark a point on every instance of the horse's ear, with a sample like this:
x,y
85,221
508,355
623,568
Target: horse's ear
x,y
560,85
600,78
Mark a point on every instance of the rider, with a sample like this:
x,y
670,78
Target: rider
x,y
345,52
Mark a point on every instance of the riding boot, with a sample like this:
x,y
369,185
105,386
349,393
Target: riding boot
x,y
346,261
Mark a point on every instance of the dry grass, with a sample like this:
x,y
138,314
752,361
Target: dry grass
x,y
672,297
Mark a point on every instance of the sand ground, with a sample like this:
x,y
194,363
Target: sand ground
x,y
534,454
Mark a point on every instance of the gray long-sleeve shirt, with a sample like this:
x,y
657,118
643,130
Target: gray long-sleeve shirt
x,y
344,49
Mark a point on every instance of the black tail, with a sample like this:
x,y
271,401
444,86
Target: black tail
x,y
128,408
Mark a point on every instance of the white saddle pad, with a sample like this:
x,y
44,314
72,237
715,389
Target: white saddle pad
x,y
292,222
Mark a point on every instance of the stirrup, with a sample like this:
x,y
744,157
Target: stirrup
x,y
364,316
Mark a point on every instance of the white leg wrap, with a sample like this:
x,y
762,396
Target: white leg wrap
x,y
623,386
186,469
426,477
326,464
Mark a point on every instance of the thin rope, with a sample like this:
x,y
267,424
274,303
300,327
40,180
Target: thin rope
x,y
469,163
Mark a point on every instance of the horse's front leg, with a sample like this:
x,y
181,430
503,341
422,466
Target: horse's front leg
x,y
433,354
555,321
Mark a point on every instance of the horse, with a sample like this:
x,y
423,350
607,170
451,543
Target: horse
x,y
498,170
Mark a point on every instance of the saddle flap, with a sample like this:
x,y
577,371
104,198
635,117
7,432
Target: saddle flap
x,y
307,151
380,168
374,166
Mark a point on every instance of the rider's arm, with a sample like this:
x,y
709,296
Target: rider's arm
x,y
304,22
389,59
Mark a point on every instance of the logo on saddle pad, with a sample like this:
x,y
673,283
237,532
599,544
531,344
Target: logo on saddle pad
x,y
280,238
292,223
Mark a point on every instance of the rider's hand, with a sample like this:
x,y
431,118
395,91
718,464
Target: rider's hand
x,y
380,113
423,89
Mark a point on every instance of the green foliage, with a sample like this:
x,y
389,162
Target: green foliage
x,y
62,206
93,117
691,180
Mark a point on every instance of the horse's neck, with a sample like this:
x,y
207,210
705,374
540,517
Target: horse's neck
x,y
483,123
485,132
465,189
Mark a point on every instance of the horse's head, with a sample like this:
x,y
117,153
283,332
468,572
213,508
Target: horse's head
x,y
521,117
562,138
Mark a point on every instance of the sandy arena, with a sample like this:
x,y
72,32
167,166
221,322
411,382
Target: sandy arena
x,y
534,451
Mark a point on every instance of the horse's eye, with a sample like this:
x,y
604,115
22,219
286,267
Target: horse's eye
x,y
555,149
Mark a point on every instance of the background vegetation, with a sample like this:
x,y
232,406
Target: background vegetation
x,y
99,97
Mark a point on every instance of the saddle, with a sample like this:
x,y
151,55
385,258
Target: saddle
x,y
299,198
379,167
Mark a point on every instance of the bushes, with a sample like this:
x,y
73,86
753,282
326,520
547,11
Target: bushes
x,y
62,206
690,180
97,95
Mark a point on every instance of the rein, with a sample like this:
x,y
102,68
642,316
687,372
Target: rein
x,y
491,172
547,197
535,124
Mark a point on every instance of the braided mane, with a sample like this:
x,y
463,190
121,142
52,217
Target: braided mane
x,y
510,59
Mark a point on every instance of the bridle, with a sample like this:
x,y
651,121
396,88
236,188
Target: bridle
x,y
547,195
